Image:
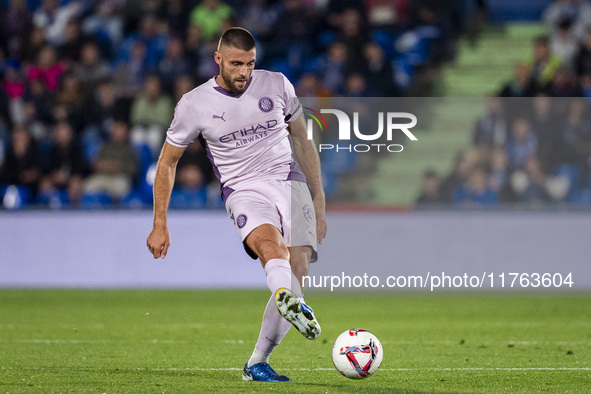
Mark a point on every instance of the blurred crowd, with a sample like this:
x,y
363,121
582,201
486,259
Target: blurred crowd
x,y
533,145
89,87
535,151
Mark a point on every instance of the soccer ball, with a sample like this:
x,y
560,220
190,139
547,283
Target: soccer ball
x,y
357,354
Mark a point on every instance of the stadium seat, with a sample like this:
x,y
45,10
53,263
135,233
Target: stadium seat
x,y
326,39
96,201
136,199
15,197
386,41
573,174
181,199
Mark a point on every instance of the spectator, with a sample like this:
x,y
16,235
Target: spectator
x,y
356,86
47,68
115,165
190,191
586,85
106,24
290,40
577,11
335,10
175,14
5,118
71,98
546,125
16,24
380,76
53,18
544,63
154,42
193,44
564,84
74,192
476,191
575,145
564,44
259,17
38,107
531,185
34,43
499,174
455,180
91,68
14,83
182,85
207,67
74,41
520,85
354,35
151,113
332,70
491,128
521,144
174,64
430,193
582,62
130,75
22,165
104,106
66,159
310,86
195,155
209,16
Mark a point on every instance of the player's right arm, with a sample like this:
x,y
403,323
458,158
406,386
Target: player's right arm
x,y
159,239
183,129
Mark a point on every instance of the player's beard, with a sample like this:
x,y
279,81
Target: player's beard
x,y
231,83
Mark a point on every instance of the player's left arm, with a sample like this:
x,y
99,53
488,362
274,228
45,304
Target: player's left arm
x,y
307,156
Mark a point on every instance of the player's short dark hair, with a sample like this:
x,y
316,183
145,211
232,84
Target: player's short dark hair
x,y
237,37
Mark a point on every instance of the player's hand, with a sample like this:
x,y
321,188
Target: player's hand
x,y
320,210
158,242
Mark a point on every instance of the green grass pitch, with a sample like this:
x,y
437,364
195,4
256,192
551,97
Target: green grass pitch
x,y
155,341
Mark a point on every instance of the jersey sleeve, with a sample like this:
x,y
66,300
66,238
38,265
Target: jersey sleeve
x,y
293,107
183,129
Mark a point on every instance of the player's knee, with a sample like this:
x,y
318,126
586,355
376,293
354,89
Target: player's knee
x,y
299,269
269,250
300,261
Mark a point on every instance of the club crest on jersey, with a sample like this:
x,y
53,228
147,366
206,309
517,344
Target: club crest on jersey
x,y
241,220
308,213
266,104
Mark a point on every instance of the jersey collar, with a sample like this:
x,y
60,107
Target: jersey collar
x,y
229,93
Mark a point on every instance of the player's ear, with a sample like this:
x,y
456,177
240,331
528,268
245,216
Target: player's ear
x,y
217,57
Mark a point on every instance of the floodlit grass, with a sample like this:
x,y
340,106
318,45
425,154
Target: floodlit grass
x,y
116,341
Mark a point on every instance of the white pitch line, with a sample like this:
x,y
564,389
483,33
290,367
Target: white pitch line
x,y
382,369
332,369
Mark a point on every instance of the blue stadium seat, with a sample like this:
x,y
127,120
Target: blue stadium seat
x,y
386,41
181,199
581,197
15,197
136,199
96,201
573,173
326,38
145,159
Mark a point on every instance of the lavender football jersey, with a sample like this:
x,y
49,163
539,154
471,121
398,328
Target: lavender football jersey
x,y
245,135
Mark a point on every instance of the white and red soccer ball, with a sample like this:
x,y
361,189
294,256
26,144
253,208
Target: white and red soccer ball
x,y
357,354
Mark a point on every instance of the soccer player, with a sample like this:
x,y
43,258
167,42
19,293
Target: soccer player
x,y
243,118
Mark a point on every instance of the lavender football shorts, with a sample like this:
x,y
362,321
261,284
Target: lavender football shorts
x,y
286,205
